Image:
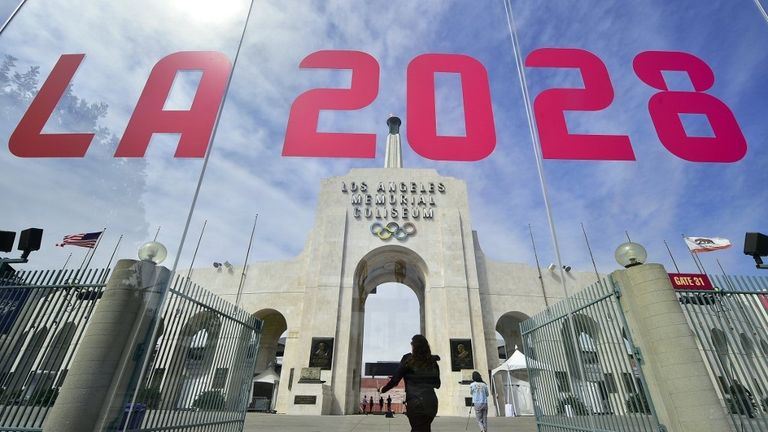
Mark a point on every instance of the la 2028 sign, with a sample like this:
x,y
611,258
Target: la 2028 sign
x,y
195,125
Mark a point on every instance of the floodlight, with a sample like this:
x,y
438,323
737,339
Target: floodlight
x,y
29,241
6,240
756,245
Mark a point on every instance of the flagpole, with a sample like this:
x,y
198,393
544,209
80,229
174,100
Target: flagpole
x,y
591,256
703,270
85,258
66,262
114,251
145,358
157,233
538,268
693,256
12,16
627,234
194,255
725,276
245,265
670,255
98,242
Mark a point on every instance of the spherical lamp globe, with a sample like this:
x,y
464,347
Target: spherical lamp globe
x,y
630,254
153,251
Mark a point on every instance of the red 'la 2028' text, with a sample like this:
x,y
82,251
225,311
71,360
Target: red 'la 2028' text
x,y
195,125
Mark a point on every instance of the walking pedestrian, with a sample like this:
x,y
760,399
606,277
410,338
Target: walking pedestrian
x,y
421,373
479,391
381,403
370,404
389,403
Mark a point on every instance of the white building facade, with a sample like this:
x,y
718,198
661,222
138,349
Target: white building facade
x,y
373,226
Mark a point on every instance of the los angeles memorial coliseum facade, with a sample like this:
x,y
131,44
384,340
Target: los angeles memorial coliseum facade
x,y
373,226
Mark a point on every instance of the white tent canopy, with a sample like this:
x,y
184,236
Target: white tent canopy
x,y
268,376
518,361
516,392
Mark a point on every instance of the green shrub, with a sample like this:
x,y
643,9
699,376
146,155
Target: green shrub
x,y
637,403
43,397
9,397
150,397
741,401
210,400
577,406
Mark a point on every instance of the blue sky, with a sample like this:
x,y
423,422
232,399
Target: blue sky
x,y
657,197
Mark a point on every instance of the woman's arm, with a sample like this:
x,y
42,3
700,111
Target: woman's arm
x,y
395,380
437,380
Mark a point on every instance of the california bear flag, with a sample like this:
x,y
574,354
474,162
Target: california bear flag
x,y
706,244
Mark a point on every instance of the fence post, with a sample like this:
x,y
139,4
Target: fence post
x,y
106,361
678,380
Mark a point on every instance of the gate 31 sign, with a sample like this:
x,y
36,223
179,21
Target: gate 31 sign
x,y
195,125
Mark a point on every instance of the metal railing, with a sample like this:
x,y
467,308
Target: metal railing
x,y
199,378
201,372
43,315
731,326
601,386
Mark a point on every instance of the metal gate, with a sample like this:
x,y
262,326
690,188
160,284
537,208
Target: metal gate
x,y
201,372
731,325
201,369
584,370
43,314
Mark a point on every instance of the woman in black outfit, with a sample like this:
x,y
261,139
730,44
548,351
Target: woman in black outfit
x,y
422,376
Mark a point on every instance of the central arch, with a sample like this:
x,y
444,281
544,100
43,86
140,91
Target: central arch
x,y
391,263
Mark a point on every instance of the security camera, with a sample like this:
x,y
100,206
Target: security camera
x,y
567,268
227,264
216,264
552,267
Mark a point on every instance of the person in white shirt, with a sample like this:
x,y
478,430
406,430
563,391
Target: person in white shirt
x,y
479,391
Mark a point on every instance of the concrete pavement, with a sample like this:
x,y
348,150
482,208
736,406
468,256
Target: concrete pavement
x,y
376,423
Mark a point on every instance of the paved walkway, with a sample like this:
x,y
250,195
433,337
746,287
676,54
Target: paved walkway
x,y
377,423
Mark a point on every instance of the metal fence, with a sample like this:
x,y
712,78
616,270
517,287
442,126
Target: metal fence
x,y
731,326
43,315
584,371
202,367
199,377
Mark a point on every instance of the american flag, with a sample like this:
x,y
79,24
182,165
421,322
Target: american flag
x,y
87,240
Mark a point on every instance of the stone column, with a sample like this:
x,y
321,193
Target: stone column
x,y
678,380
107,361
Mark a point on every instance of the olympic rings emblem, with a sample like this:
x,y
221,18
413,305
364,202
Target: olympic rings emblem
x,y
392,229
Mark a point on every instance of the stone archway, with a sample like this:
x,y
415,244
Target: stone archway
x,y
391,263
263,393
273,326
589,386
505,393
194,352
508,326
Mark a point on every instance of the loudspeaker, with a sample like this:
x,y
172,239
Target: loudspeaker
x,y
30,239
756,244
6,240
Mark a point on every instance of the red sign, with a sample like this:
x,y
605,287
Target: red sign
x,y
764,301
691,281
